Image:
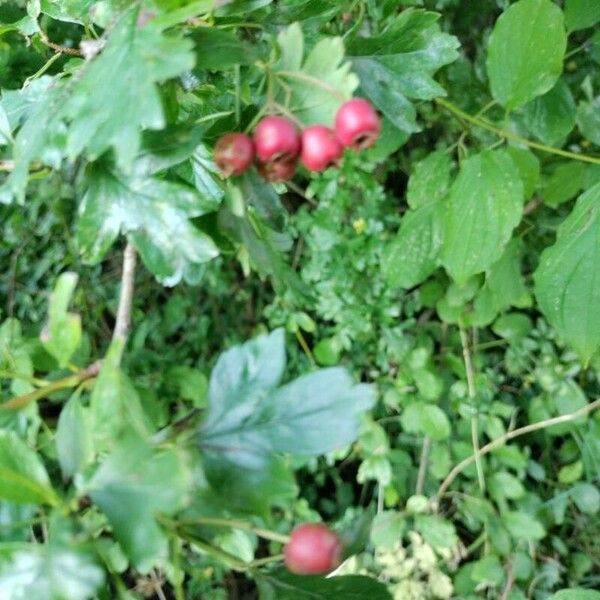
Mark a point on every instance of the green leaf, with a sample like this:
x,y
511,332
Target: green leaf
x,y
314,88
523,526
575,594
437,532
131,486
504,287
551,117
529,169
586,497
387,529
504,485
191,384
526,51
430,179
73,437
49,572
564,183
488,570
581,14
218,50
484,206
15,355
567,280
588,120
23,478
114,404
435,423
327,352
571,473
155,212
71,11
398,65
116,95
249,417
285,586
512,326
62,335
412,255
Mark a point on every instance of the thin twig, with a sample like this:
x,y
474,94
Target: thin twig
x,y
60,384
472,394
500,441
123,321
509,135
57,47
510,580
423,462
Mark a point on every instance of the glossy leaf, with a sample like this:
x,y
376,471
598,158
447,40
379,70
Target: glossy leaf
x,y
73,437
116,95
567,280
155,212
529,169
484,206
398,65
517,73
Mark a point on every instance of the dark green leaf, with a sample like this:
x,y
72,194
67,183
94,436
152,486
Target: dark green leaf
x,y
581,14
588,120
218,49
73,437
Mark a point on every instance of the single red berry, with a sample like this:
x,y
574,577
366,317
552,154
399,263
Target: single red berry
x,y
276,138
234,153
357,124
313,548
277,171
320,148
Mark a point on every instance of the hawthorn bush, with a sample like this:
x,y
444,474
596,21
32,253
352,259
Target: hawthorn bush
x,y
377,367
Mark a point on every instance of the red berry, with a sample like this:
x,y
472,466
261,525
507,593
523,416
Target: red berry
x,y
357,124
313,548
277,171
276,138
234,153
320,148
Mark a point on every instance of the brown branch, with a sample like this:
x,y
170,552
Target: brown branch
x,y
500,441
123,321
57,47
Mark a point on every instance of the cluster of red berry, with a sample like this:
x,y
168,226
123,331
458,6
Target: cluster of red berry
x,y
277,143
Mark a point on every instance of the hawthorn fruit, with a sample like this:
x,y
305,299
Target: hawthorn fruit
x,y
234,153
357,124
313,549
320,148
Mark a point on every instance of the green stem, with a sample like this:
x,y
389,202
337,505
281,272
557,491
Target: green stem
x,y
508,135
235,524
472,394
61,384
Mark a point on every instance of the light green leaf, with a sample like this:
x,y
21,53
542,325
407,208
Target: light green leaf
x,y
434,422
571,473
412,255
155,212
488,570
116,95
430,179
397,66
62,335
314,90
551,117
484,206
23,478
131,486
581,14
517,73
504,485
586,497
73,437
15,355
522,526
249,417
5,130
564,183
567,280
49,572
387,529
71,11
528,166
436,531
588,120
